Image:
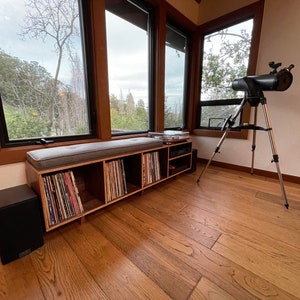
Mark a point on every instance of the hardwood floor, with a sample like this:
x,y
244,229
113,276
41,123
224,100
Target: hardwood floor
x,y
230,237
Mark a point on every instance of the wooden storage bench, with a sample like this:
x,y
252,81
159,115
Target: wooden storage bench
x,y
76,180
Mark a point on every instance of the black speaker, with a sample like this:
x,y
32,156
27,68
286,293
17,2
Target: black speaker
x,y
194,161
20,223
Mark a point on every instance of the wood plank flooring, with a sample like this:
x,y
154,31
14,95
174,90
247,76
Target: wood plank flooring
x,y
228,237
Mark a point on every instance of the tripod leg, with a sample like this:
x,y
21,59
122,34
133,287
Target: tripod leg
x,y
214,153
275,155
229,123
253,141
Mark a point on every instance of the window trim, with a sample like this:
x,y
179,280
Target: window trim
x,y
254,11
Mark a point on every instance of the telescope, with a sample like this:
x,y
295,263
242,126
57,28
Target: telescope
x,y
253,86
274,81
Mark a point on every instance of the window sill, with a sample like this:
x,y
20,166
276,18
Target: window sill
x,y
243,134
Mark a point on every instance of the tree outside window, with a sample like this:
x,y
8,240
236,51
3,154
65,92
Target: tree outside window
x,y
225,57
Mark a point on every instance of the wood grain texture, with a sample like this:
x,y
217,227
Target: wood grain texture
x,y
228,237
112,271
207,290
61,273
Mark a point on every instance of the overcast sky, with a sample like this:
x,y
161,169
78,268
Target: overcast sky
x,y
12,13
128,61
127,58
11,19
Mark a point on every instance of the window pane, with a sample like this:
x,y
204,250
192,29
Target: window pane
x,y
225,57
42,74
215,116
174,78
128,67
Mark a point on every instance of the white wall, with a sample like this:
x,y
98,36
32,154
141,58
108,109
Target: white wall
x,y
279,43
12,175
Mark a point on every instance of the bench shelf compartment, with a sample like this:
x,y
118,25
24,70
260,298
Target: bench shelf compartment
x,y
101,182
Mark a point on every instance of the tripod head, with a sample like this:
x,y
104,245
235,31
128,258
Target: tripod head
x,y
255,85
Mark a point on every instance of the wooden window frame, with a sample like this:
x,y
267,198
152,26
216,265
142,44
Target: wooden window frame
x,y
96,50
254,11
95,33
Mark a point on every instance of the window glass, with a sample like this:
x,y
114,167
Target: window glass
x,y
175,69
215,116
42,69
225,57
127,30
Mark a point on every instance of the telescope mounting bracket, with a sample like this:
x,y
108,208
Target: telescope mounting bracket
x,y
274,66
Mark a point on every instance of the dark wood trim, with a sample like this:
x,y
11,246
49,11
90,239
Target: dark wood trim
x,y
193,81
243,134
159,69
269,174
100,67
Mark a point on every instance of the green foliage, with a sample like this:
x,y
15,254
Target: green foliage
x,y
26,90
36,103
172,119
30,123
128,116
220,68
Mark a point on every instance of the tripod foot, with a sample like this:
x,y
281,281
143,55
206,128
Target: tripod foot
x,y
287,206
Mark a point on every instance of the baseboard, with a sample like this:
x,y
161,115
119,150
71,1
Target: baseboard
x,y
269,174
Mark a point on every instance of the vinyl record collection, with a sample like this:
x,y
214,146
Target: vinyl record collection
x,y
151,167
115,179
62,196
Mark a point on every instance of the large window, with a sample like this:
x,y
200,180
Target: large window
x,y
48,50
42,72
225,57
229,49
175,78
128,40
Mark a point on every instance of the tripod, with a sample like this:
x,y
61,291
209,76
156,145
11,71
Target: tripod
x,y
228,125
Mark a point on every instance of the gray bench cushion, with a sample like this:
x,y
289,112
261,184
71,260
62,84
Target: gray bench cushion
x,y
60,156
